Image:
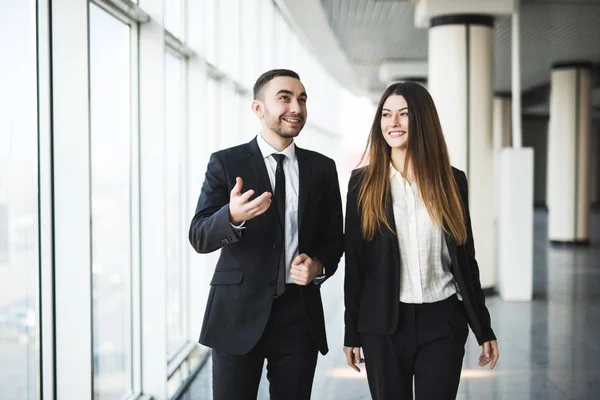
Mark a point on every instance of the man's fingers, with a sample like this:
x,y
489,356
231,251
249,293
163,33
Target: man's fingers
x,y
300,259
244,198
260,210
299,278
299,273
237,189
257,202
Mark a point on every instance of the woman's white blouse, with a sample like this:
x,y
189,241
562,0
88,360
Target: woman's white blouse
x,y
425,275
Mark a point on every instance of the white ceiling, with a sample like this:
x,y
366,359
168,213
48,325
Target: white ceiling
x,y
373,32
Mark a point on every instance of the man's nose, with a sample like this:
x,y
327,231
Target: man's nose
x,y
295,107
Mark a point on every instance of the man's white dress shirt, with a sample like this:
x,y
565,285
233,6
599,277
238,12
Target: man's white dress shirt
x,y
292,185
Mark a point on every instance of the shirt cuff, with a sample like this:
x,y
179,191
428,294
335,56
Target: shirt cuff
x,y
240,226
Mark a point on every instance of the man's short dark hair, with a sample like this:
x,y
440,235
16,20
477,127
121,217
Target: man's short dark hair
x,y
268,76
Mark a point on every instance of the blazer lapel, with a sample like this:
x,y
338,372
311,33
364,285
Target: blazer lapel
x,y
259,168
304,176
392,236
451,244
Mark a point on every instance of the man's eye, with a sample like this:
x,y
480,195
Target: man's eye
x,y
303,101
284,97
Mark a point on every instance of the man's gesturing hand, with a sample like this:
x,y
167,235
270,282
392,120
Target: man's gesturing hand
x,y
305,269
240,209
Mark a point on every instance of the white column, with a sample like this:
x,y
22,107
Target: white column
x,y
71,202
515,200
569,153
461,71
515,217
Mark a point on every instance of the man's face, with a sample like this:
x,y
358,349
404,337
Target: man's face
x,y
283,106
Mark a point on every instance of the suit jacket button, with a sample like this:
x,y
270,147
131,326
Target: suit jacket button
x,y
271,283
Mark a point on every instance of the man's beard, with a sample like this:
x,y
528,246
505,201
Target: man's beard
x,y
277,126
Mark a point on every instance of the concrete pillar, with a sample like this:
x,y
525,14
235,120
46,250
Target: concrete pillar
x,y
460,80
569,153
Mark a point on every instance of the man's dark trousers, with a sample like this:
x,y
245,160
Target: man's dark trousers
x,y
289,349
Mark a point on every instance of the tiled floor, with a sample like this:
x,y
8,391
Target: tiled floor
x,y
549,348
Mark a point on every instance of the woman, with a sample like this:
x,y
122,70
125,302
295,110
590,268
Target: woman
x,y
412,282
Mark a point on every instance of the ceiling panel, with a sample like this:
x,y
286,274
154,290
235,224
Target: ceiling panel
x,y
373,32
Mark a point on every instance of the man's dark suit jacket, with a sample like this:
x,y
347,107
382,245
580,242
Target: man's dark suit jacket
x,y
243,285
372,283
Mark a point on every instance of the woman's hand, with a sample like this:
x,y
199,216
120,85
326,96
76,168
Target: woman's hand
x,y
489,352
353,357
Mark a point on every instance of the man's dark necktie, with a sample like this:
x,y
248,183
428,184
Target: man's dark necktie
x,y
280,204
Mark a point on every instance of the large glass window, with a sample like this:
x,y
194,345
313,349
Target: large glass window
x,y
19,344
229,37
212,31
176,222
110,113
174,21
267,30
249,26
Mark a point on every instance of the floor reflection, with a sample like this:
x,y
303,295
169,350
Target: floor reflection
x,y
549,347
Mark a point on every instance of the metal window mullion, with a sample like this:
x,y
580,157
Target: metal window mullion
x,y
135,281
178,46
125,10
46,325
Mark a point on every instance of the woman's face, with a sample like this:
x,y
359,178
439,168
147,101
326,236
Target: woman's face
x,y
394,121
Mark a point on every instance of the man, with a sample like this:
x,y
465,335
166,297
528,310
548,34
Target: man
x,y
275,211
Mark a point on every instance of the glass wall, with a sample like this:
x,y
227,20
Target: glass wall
x,y
111,185
169,83
19,344
175,197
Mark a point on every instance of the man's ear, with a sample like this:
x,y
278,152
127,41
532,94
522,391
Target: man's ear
x,y
258,108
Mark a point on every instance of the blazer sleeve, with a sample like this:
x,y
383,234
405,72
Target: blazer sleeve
x,y
331,232
487,333
354,249
210,228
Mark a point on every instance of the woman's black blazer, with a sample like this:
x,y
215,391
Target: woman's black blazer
x,y
372,282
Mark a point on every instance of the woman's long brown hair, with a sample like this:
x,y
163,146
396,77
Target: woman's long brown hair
x,y
428,153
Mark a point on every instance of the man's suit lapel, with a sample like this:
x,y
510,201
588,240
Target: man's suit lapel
x,y
257,163
304,176
259,168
